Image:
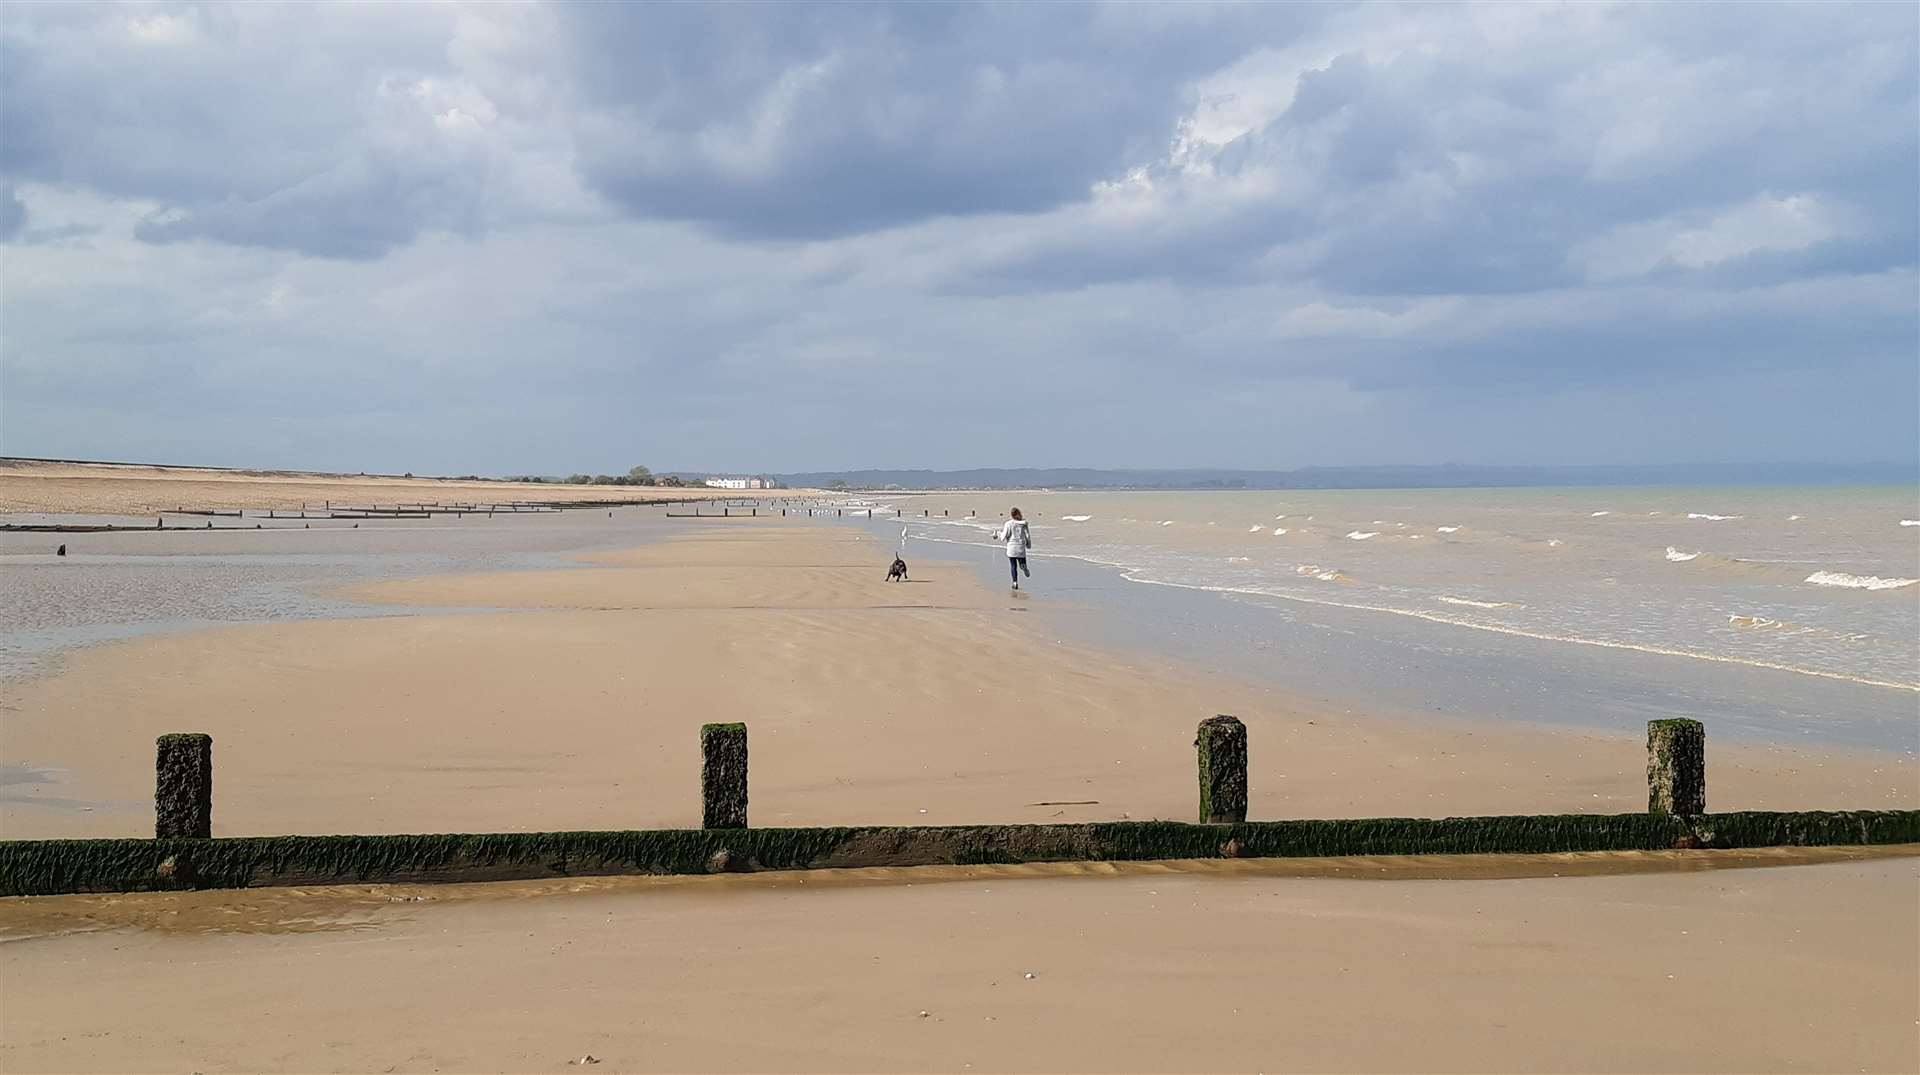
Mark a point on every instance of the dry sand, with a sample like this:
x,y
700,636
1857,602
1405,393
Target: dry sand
x,y
575,704
112,489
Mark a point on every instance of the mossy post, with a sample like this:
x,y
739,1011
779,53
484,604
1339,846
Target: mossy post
x,y
183,787
1222,744
723,776
1676,767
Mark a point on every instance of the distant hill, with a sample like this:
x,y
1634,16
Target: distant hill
x,y
1444,476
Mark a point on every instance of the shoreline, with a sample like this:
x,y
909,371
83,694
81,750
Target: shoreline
x,y
931,702
1381,660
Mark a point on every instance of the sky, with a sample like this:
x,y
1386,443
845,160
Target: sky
x,y
497,238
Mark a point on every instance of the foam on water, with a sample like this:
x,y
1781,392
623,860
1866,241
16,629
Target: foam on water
x,y
1903,522
1076,518
1824,583
1471,603
1857,582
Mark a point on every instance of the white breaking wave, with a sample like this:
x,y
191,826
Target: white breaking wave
x,y
1133,575
1255,529
1797,518
1362,535
1597,514
1446,529
1679,557
1553,543
1166,522
1712,518
1857,582
1277,518
1903,522
1478,604
1278,530
1136,574
1076,518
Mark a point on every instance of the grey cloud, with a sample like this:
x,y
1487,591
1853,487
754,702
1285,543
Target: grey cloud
x,y
817,121
13,213
1474,164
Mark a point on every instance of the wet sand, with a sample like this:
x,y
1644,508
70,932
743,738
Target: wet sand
x,y
576,704
1147,968
575,700
99,489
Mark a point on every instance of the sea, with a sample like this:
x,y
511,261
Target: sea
x,y
1784,613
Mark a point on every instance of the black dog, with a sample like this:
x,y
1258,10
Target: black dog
x,y
898,572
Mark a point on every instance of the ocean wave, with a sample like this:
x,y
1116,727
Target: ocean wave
x,y
1788,627
1544,636
1278,530
1446,529
1255,529
1471,603
1679,557
1857,582
1277,518
1076,518
1138,574
1362,535
1597,514
1903,522
1554,543
1795,518
1712,518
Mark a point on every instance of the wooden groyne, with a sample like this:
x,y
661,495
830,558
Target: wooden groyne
x,y
329,511
183,854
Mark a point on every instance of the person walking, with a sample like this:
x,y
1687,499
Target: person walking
x,y
1019,539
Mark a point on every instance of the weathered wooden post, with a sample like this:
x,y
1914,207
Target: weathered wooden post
x,y
183,787
723,776
1222,745
1676,767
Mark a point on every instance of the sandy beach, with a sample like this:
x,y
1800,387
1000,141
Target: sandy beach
x,y
573,701
571,698
112,489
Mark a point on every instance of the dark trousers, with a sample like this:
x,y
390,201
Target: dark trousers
x,y
1017,564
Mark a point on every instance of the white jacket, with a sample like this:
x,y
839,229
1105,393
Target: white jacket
x,y
1017,536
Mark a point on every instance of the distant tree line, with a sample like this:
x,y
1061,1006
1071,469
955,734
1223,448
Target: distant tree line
x,y
635,476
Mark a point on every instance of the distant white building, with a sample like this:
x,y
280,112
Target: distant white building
x,y
739,483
